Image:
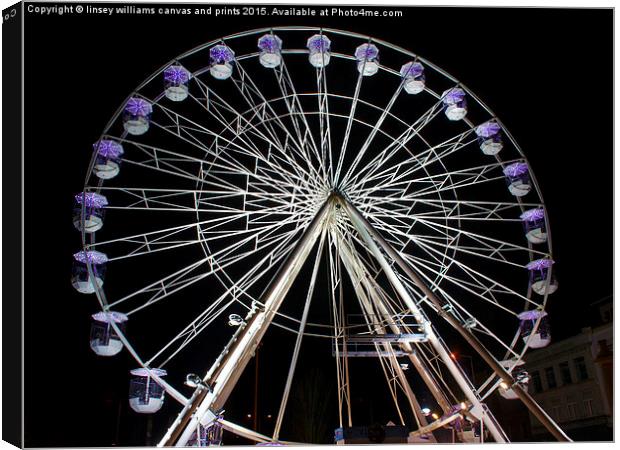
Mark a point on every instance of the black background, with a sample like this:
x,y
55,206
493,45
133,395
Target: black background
x,y
547,73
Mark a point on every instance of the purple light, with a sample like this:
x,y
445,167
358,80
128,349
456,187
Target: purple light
x,y
142,372
270,43
221,53
453,96
319,43
412,69
110,316
532,215
138,107
488,129
177,75
516,169
532,315
91,256
366,52
91,200
540,264
109,149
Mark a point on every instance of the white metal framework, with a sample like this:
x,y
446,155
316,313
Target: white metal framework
x,y
259,163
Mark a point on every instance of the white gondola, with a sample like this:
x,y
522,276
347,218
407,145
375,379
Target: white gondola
x,y
88,211
367,56
542,336
80,275
518,179
146,396
539,272
490,137
414,79
270,47
176,82
520,375
137,116
455,103
319,47
107,159
104,340
221,58
535,225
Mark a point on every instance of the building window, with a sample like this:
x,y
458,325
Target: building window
x,y
536,381
557,413
587,407
565,373
550,374
582,370
572,411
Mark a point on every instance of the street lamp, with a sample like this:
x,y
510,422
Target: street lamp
x,y
192,380
234,320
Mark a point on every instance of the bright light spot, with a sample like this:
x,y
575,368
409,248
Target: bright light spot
x,y
249,416
463,405
435,416
426,411
452,355
268,416
503,385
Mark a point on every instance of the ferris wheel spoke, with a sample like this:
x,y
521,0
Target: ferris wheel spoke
x,y
182,123
240,287
477,276
347,133
387,153
251,93
161,240
220,165
215,265
419,161
358,157
324,121
490,243
450,181
287,88
478,324
242,124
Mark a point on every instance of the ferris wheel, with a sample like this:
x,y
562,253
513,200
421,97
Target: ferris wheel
x,y
255,157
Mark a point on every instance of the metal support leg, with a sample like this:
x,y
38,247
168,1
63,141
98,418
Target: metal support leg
x,y
419,365
363,228
227,369
370,236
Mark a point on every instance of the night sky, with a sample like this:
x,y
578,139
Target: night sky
x,y
546,73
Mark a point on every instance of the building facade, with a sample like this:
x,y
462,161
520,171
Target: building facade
x,y
572,380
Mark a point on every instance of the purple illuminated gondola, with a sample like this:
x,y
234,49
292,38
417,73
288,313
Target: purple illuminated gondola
x,y
137,116
108,158
270,47
146,396
455,103
413,77
319,47
367,56
518,179
104,340
88,211
176,82
80,276
535,226
221,58
542,336
490,137
539,271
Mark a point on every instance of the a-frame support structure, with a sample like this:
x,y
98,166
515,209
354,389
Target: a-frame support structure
x,y
225,372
